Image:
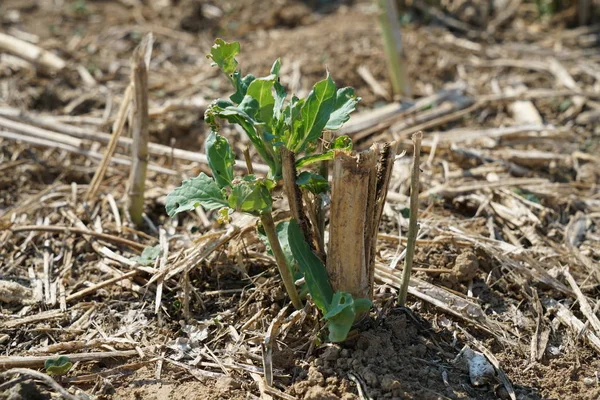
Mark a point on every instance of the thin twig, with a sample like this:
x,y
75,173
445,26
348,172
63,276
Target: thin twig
x,y
112,144
38,361
94,288
69,229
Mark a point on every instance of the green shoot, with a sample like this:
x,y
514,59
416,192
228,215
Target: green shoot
x,y
148,256
271,121
58,366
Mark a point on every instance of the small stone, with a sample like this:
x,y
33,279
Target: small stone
x,y
587,381
466,266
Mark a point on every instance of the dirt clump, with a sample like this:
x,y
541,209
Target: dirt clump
x,y
393,359
466,267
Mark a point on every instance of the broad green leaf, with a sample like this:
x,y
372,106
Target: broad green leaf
x,y
343,142
148,256
251,197
339,302
220,158
311,266
340,324
316,112
58,366
199,191
223,55
312,182
261,90
342,312
345,104
250,106
241,86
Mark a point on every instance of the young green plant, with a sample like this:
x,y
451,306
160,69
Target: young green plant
x,y
275,125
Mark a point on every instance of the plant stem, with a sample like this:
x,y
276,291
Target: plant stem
x,y
412,222
392,40
248,160
284,271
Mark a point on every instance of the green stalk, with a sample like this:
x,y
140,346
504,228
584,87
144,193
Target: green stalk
x,y
392,41
412,222
284,271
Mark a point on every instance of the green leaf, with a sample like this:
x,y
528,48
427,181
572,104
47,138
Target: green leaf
x,y
316,112
223,55
343,310
313,158
251,196
311,267
340,323
250,106
220,158
340,143
280,95
291,116
276,67
238,116
405,212
345,104
312,182
58,366
241,86
148,256
261,90
362,305
199,191
343,142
